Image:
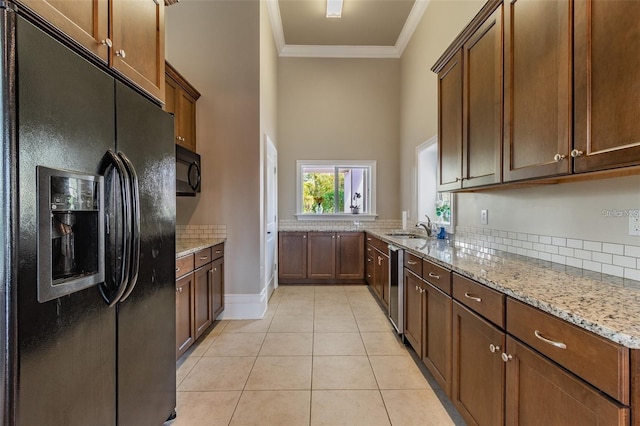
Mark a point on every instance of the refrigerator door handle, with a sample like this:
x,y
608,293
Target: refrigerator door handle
x,y
134,199
112,160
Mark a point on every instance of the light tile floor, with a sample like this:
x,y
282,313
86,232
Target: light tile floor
x,y
322,355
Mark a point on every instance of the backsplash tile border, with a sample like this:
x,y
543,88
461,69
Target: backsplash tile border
x,y
620,260
338,225
200,232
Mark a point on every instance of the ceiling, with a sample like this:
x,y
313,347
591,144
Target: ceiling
x,y
367,29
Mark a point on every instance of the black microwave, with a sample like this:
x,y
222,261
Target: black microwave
x,y
187,172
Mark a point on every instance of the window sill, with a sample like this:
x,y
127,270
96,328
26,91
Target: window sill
x,y
363,217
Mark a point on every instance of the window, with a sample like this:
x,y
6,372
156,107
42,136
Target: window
x,y
438,206
330,189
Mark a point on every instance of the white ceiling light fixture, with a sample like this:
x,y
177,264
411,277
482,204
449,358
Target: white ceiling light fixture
x,y
334,8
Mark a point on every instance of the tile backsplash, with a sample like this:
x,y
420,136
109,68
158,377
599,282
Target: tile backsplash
x,y
336,225
199,232
620,260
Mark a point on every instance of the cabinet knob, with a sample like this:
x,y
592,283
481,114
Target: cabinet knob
x,y
558,157
107,42
121,53
179,290
576,153
493,348
177,269
506,357
304,236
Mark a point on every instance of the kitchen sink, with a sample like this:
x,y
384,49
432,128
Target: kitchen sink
x,y
405,235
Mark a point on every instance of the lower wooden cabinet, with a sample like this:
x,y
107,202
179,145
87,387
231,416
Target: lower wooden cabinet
x,y
185,329
203,295
217,285
436,345
538,391
478,369
199,294
321,257
413,310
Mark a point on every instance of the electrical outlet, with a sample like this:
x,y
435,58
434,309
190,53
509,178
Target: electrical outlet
x,y
484,217
634,225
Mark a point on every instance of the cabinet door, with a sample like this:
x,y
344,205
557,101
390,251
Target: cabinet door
x,y
436,352
137,32
202,312
350,255
381,277
606,68
482,112
292,255
87,22
537,104
217,284
478,372
185,330
540,392
413,317
450,125
186,120
321,255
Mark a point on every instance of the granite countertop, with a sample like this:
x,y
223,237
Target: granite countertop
x,y
605,305
185,247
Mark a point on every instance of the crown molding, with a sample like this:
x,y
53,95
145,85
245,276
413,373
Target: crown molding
x,y
310,51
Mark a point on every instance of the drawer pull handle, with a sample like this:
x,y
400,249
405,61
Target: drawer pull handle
x,y
411,262
218,251
177,269
550,342
432,275
493,348
469,296
368,239
204,257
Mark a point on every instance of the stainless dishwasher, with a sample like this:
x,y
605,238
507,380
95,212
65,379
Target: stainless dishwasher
x,y
396,288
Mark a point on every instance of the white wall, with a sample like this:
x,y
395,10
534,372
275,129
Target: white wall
x,y
216,45
345,109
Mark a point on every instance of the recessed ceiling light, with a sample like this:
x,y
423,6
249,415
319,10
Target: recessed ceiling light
x,y
334,8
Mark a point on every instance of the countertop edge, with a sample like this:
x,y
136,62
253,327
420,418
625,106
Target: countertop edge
x,y
187,247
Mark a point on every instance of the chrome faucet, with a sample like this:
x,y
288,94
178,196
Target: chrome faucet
x,y
426,226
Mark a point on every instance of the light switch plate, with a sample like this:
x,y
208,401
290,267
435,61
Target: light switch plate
x,y
634,224
484,217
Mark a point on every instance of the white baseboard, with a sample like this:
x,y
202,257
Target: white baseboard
x,y
244,306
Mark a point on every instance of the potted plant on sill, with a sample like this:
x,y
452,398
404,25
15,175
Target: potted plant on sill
x,y
355,207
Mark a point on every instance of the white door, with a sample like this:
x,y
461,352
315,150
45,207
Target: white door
x,y
271,217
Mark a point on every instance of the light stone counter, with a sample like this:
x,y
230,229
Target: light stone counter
x,y
185,247
606,305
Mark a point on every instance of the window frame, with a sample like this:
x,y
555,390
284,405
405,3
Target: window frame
x,y
371,188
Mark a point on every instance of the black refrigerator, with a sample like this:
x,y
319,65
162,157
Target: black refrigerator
x,y
87,239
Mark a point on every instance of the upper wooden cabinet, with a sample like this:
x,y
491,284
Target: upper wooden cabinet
x,y
137,34
450,124
126,35
87,22
537,95
470,104
482,104
181,99
606,77
553,80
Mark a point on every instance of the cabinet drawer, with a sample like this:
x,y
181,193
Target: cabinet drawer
x,y
378,244
437,276
595,359
217,251
202,257
413,263
184,265
485,301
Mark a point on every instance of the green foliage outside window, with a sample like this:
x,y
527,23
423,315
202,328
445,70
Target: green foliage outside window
x,y
319,190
